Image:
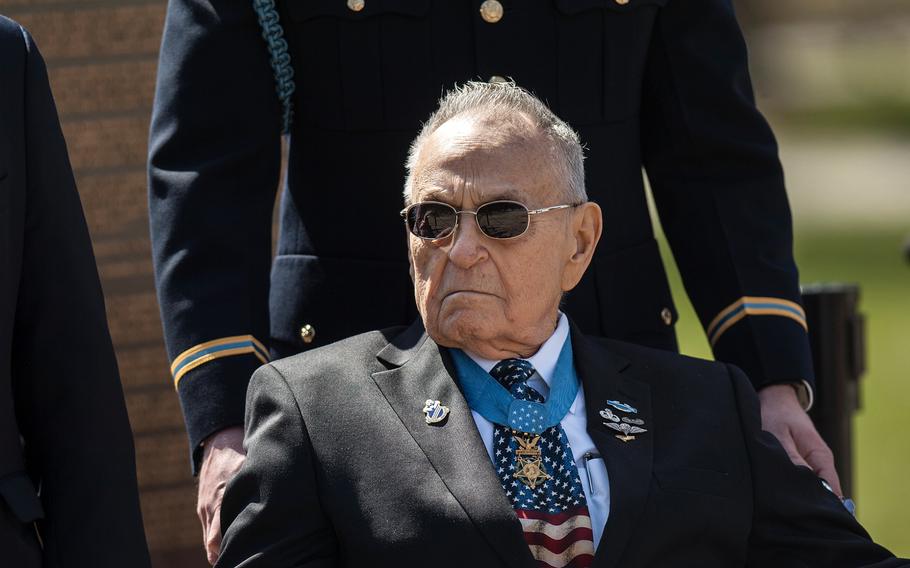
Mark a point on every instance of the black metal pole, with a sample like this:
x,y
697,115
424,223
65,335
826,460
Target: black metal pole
x,y
837,337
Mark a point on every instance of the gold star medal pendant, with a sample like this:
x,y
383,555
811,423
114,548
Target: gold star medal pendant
x,y
531,471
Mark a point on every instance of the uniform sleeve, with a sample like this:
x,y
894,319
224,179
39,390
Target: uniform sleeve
x,y
796,521
718,185
271,511
69,401
214,161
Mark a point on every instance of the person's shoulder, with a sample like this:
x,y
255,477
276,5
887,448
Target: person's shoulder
x,y
667,367
10,28
16,48
679,381
14,52
349,357
13,37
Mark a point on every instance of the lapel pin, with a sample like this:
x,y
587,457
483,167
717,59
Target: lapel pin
x,y
435,411
608,414
627,431
622,406
634,421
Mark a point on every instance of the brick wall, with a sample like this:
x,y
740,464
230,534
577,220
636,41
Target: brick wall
x,y
102,57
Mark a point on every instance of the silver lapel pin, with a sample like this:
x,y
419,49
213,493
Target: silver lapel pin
x,y
435,411
627,431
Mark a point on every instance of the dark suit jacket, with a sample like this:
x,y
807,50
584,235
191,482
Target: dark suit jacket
x,y
343,470
63,421
657,83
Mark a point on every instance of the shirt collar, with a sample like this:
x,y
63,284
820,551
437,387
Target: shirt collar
x,y
544,361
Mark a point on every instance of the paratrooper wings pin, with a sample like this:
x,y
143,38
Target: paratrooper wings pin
x,y
626,431
609,415
627,427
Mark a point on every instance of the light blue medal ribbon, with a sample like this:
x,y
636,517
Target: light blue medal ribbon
x,y
492,401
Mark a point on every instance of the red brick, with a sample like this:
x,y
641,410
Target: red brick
x,y
104,87
163,459
134,318
170,517
153,411
143,367
114,204
69,33
107,142
114,248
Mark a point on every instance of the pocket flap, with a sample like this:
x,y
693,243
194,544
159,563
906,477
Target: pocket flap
x,y
20,495
377,294
301,10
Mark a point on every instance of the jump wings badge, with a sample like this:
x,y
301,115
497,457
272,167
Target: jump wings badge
x,y
609,415
530,471
435,411
627,431
627,427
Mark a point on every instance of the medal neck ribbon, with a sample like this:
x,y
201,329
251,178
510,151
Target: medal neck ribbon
x,y
492,401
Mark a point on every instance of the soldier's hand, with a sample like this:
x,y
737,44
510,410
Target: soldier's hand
x,y
222,456
782,415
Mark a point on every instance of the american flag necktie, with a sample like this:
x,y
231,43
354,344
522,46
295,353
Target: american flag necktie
x,y
554,514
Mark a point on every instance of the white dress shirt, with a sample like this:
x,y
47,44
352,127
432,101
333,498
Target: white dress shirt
x,y
593,472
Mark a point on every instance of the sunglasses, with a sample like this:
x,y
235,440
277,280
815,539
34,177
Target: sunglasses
x,y
433,220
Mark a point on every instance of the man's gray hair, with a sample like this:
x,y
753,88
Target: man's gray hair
x,y
506,99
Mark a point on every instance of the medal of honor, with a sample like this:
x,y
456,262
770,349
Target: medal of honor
x,y
531,471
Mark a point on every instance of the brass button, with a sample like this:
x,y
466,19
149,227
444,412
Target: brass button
x,y
308,332
490,11
666,315
622,2
356,6
498,79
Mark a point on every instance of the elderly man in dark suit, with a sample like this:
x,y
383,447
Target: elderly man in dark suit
x,y
656,84
492,432
63,422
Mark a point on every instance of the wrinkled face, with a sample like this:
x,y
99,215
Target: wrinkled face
x,y
496,298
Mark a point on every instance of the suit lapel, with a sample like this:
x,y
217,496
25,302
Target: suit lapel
x,y
605,376
454,447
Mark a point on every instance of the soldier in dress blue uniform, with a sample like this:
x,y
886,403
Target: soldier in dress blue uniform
x,y
662,84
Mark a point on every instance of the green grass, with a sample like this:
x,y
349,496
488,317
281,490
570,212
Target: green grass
x,y
880,115
872,258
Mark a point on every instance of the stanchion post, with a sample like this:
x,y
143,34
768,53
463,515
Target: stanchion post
x,y
837,337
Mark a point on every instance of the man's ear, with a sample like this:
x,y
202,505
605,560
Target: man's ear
x,y
407,238
587,226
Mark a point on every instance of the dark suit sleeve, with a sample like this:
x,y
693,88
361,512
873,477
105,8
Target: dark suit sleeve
x,y
271,509
69,400
796,521
718,185
214,160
